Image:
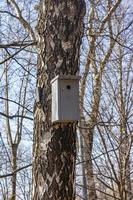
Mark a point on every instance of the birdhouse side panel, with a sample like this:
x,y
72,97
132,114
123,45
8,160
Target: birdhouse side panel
x,y
55,101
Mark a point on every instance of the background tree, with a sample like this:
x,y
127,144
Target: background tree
x,y
17,78
102,38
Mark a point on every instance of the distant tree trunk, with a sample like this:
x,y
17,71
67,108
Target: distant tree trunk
x,y
125,143
60,30
14,146
82,159
88,138
14,168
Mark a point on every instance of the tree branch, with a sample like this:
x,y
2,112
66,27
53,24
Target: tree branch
x,y
11,174
17,44
14,116
16,103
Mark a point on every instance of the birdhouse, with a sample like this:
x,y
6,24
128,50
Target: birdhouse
x,y
65,99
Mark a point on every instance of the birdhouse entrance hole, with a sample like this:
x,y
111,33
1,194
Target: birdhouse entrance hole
x,y
68,87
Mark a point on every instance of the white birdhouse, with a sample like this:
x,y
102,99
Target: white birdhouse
x,y
65,99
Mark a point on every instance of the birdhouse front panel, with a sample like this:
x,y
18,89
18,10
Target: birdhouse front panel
x,y
69,100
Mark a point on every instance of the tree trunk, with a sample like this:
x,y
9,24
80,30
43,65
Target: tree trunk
x,y
125,143
88,146
14,168
60,29
89,136
83,169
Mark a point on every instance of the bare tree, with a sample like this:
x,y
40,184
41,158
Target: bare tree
x,y
55,144
114,123
99,54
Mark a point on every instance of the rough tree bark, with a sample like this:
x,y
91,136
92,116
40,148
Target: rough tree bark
x,y
60,29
